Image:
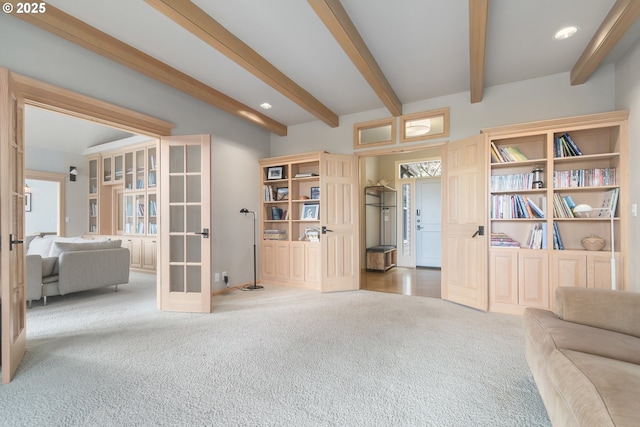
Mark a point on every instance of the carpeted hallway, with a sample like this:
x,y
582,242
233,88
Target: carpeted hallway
x,y
278,357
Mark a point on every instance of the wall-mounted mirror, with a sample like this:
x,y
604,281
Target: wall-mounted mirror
x,y
424,125
374,133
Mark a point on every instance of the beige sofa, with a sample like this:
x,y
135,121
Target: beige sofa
x,y
62,265
585,358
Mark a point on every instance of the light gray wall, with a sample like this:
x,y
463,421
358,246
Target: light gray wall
x,y
236,145
628,97
43,217
45,160
537,99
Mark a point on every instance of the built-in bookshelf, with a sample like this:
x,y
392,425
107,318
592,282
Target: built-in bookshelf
x,y
122,200
539,173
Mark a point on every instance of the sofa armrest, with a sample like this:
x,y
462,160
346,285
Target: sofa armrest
x,y
83,270
601,308
34,277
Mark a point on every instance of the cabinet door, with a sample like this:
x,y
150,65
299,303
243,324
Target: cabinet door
x,y
282,261
503,277
298,261
599,271
567,270
268,271
149,254
312,264
533,279
135,251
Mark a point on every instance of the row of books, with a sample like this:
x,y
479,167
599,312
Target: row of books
x,y
502,240
93,209
564,146
153,208
584,177
152,162
536,238
508,206
506,154
513,182
153,228
270,193
274,235
563,206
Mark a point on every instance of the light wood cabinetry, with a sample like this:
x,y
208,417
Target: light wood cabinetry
x,y
303,197
94,194
290,227
537,165
122,200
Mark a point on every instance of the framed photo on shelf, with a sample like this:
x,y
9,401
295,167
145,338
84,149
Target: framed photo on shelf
x,y
282,193
315,193
27,202
310,211
275,172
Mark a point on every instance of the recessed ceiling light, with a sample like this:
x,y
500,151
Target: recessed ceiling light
x,y
265,105
565,33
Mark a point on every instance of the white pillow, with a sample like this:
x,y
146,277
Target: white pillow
x,y
60,247
41,246
53,252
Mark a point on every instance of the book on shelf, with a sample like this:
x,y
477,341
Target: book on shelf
x,y
276,213
274,235
596,177
502,240
496,157
535,209
565,146
305,174
512,182
557,239
537,238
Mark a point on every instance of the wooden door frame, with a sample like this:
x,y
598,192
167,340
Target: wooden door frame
x,y
49,97
396,149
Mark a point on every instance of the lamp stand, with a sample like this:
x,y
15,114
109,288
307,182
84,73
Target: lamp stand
x,y
614,284
255,285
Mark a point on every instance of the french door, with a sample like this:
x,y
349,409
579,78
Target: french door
x,y
464,257
184,282
12,258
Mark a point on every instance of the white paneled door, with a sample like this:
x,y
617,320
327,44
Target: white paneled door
x,y
12,206
184,282
428,223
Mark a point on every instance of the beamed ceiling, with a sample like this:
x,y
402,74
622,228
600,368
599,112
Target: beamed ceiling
x,y
320,59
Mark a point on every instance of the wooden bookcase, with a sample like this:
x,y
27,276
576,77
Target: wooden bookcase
x,y
290,221
529,274
122,200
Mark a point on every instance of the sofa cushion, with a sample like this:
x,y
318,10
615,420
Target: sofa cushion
x,y
41,246
91,245
602,308
586,339
599,391
48,266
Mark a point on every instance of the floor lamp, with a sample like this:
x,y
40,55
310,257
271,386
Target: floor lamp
x,y
255,285
586,209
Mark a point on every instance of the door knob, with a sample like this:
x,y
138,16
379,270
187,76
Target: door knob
x,y
204,233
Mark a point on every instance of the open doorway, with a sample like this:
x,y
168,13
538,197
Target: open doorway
x,y
418,237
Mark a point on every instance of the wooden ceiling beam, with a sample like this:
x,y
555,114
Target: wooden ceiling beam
x,y
619,19
337,21
478,12
199,23
69,28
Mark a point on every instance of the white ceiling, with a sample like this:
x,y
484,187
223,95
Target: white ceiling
x,y
422,47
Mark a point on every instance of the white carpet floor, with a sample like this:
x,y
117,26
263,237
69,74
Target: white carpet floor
x,y
277,357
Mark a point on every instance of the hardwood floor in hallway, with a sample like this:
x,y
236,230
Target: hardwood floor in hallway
x,y
424,282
